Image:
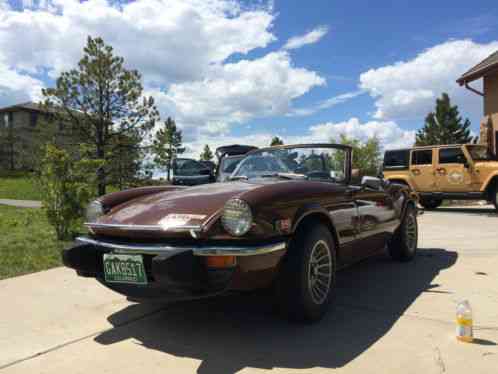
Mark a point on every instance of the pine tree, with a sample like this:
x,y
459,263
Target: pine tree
x,y
167,145
276,141
444,126
207,154
104,103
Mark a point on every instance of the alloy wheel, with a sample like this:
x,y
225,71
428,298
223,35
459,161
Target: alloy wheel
x,y
411,232
320,272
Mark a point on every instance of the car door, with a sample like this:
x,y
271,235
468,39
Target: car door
x,y
344,215
422,170
378,217
452,171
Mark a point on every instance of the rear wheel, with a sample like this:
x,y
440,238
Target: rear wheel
x,y
431,203
403,245
307,276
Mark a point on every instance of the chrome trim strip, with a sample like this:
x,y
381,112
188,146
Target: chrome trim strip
x,y
210,250
117,226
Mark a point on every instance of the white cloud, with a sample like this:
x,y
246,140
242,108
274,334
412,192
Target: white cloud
x,y
180,46
237,92
309,38
390,135
168,41
408,89
16,88
329,103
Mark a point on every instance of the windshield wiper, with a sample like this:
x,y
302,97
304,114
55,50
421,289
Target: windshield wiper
x,y
284,176
238,177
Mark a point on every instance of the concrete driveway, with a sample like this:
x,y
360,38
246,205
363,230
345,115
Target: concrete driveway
x,y
388,318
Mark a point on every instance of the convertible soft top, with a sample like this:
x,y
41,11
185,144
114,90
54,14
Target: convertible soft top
x,y
232,150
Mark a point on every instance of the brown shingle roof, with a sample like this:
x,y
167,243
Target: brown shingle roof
x,y
30,105
487,65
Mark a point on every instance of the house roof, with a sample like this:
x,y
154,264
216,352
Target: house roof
x,y
30,105
486,66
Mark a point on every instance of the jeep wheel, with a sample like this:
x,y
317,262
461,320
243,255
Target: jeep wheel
x,y
495,197
403,245
431,203
307,276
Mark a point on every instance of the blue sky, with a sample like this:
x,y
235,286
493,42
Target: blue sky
x,y
362,38
231,71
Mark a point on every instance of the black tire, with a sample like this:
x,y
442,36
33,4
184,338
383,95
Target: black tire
x,y
403,244
494,196
430,204
307,275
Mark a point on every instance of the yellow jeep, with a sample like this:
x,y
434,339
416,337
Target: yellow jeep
x,y
456,172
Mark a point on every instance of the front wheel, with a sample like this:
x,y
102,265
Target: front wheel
x,y
307,275
431,203
403,245
495,197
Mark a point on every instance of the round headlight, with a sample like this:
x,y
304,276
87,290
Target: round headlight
x,y
94,210
237,217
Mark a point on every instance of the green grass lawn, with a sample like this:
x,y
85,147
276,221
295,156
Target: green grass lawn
x,y
20,186
27,242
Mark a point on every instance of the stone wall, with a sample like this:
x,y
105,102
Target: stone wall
x,y
18,139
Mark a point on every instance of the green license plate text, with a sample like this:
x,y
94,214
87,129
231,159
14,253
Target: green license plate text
x,y
124,269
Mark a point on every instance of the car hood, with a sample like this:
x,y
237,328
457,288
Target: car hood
x,y
190,206
487,164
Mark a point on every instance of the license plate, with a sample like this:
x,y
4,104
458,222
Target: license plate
x,y
124,269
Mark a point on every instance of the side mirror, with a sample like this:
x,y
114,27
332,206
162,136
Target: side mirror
x,y
371,182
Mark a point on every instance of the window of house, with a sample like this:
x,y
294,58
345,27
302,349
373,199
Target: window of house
x,y
33,119
451,156
422,157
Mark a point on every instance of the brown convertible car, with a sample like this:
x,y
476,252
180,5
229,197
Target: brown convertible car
x,y
289,218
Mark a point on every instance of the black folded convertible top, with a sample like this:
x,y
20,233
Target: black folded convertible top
x,y
232,150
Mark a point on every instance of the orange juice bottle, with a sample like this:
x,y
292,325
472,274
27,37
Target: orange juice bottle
x,y
464,331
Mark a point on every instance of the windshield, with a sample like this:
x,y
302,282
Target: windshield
x,y
309,162
479,153
228,164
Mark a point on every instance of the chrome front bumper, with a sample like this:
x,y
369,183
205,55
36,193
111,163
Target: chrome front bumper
x,y
204,250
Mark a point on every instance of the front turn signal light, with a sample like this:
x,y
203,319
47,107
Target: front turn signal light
x,y
221,261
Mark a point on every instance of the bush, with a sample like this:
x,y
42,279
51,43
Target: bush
x,y
67,186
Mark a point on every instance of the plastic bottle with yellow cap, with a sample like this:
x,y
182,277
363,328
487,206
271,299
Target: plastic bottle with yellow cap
x,y
464,331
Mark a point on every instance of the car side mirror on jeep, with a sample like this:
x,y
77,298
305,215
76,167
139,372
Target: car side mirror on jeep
x,y
371,182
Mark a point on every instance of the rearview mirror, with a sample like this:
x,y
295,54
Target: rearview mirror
x,y
371,182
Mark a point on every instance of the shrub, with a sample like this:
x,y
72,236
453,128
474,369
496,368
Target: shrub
x,y
67,185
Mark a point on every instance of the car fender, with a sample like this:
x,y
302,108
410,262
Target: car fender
x,y
410,198
488,181
314,209
401,177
